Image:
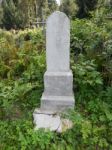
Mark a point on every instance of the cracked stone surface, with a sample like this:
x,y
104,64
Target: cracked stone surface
x,y
52,122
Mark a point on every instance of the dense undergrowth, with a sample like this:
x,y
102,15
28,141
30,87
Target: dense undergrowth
x,y
22,65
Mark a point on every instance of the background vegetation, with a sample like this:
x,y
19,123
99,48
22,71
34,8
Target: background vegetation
x,y
22,65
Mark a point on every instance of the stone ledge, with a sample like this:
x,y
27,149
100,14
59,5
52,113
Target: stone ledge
x,y
57,103
58,73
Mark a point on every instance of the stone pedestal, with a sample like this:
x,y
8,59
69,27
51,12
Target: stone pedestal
x,y
58,91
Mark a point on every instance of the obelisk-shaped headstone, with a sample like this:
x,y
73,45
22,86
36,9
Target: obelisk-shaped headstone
x,y
58,43
58,79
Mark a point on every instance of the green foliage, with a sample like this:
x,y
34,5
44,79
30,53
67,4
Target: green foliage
x,y
69,7
78,8
15,14
22,67
18,69
18,14
85,6
94,41
21,135
87,77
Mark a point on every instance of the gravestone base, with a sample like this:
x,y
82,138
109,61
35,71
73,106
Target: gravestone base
x,y
57,98
58,93
50,120
57,103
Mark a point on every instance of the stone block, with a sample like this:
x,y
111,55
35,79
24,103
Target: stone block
x,y
58,83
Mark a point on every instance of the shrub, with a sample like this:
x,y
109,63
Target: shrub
x,y
95,43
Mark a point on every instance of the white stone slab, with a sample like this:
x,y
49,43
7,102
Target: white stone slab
x,y
50,121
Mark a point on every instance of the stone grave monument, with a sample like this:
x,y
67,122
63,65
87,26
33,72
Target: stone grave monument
x,y
58,79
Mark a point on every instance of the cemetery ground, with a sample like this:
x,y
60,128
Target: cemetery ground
x,y
22,66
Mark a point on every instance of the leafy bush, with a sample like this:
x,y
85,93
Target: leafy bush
x,y
95,43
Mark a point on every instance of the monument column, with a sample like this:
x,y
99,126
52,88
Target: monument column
x,y
58,79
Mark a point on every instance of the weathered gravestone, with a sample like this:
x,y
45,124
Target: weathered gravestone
x,y
58,79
